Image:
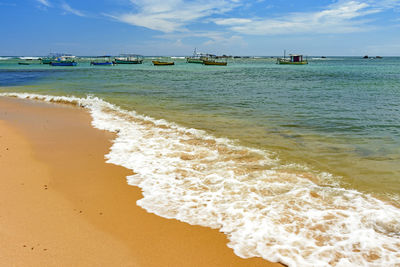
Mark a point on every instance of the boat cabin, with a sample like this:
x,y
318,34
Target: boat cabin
x,y
293,59
129,59
296,58
102,60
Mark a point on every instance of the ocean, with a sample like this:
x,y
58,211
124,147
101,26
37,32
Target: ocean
x,y
297,164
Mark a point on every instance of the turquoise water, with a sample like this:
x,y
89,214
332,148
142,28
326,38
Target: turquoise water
x,y
339,115
290,162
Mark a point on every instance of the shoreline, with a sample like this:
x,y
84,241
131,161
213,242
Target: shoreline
x,y
63,205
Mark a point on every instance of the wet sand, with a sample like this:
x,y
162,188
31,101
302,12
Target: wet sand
x,y
62,205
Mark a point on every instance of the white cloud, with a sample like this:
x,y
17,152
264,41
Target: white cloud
x,y
233,21
210,38
173,15
71,10
44,2
225,41
385,3
342,17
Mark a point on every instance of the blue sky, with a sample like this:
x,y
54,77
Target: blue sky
x,y
176,27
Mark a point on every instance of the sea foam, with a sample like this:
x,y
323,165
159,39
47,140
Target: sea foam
x,y
265,209
29,58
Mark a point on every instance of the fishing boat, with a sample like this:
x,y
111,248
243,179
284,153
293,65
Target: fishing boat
x,y
292,60
64,61
194,60
53,57
162,63
63,64
128,59
216,63
196,57
102,61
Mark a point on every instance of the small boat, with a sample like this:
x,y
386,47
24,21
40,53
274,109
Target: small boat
x,y
292,60
128,59
366,56
194,60
196,57
23,63
64,61
62,64
53,57
162,63
213,62
378,57
102,61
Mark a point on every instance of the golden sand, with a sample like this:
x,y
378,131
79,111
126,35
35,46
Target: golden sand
x,y
62,205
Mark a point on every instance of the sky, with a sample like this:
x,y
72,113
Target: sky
x,y
177,27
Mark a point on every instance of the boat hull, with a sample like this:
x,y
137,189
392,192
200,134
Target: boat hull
x,y
62,64
285,62
205,62
161,63
101,63
119,61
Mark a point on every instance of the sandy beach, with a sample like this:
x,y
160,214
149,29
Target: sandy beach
x,y
62,205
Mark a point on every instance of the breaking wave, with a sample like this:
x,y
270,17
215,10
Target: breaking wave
x,y
265,209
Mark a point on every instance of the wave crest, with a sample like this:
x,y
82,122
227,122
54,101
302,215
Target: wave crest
x,y
265,210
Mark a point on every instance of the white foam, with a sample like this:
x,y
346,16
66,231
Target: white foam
x,y
264,210
29,58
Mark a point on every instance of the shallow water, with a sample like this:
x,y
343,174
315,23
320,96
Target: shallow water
x,y
340,115
281,149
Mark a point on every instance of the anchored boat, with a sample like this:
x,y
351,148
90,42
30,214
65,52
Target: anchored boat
x,y
64,61
292,60
53,57
213,62
162,63
197,57
102,61
129,59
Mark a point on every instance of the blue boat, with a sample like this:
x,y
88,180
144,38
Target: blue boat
x,y
102,61
64,61
129,59
53,57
